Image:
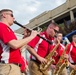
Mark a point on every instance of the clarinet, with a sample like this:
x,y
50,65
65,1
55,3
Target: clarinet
x,y
15,22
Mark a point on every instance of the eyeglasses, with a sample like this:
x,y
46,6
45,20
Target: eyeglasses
x,y
56,31
10,14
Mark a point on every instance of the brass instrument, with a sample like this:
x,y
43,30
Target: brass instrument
x,y
44,67
64,65
73,72
61,65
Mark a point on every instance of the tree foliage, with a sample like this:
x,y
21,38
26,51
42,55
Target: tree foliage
x,y
67,28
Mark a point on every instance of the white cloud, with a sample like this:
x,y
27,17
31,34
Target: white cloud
x,y
59,2
24,10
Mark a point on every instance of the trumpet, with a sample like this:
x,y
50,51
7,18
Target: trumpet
x,y
15,22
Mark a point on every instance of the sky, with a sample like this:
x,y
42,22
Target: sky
x,y
25,10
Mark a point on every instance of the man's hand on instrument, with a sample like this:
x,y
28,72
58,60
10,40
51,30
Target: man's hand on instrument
x,y
33,34
66,56
58,41
53,66
42,60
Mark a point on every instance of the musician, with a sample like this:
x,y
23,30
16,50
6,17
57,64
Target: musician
x,y
39,49
71,51
58,52
10,56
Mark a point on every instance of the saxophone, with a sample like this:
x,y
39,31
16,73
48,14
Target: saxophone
x,y
61,65
44,67
73,72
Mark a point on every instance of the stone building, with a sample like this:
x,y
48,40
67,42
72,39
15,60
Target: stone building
x,y
66,11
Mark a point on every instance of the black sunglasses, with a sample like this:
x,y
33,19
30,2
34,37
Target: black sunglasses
x,y
56,31
10,14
